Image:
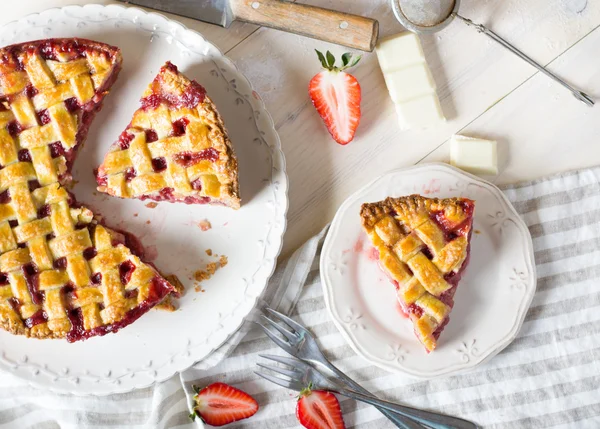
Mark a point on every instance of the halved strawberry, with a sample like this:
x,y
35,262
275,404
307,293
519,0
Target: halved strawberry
x,y
336,96
219,404
319,409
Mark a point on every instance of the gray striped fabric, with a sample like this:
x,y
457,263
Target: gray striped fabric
x,y
548,377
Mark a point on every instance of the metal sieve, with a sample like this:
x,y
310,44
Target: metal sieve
x,y
431,16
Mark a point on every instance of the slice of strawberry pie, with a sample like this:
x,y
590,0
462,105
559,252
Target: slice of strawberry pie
x,y
175,149
63,273
423,246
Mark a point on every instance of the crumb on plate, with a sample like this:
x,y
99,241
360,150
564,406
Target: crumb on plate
x,y
204,225
201,275
152,205
210,269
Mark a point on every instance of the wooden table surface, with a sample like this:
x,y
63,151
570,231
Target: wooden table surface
x,y
485,91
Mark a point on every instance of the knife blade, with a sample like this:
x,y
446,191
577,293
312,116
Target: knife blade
x,y
329,25
212,11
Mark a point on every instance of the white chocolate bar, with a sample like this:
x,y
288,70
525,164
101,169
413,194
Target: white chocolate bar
x,y
419,112
477,156
409,81
399,51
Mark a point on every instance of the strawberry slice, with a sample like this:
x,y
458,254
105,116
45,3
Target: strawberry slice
x,y
336,96
219,404
319,409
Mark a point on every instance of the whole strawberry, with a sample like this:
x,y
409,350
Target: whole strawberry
x,y
319,409
219,404
336,96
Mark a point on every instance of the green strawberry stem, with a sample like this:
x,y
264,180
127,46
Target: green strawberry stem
x,y
328,61
306,391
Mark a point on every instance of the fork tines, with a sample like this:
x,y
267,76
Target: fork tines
x,y
290,322
290,337
279,381
294,374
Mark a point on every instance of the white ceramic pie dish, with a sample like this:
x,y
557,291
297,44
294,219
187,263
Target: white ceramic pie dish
x,y
492,298
160,343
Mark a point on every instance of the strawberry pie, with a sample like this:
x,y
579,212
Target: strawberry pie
x,y
63,273
175,149
423,246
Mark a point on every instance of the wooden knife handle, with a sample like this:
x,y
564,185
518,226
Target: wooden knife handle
x,y
337,27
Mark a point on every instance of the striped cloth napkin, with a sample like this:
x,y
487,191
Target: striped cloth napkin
x,y
548,377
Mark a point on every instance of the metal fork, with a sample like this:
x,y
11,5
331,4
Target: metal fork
x,y
300,374
299,342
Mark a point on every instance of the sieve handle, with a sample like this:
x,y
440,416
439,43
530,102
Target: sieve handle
x,y
581,96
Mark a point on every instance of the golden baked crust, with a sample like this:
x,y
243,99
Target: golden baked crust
x,y
423,246
62,272
176,148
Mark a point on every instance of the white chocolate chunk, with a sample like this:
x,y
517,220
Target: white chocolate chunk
x,y
399,51
409,81
477,156
420,112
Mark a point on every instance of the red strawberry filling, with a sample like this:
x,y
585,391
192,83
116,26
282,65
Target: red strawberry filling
x,y
193,95
166,194
187,159
38,317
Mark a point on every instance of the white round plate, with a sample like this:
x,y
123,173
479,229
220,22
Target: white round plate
x,y
491,300
160,343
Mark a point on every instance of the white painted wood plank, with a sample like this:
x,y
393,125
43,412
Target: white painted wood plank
x,y
223,38
539,128
472,74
